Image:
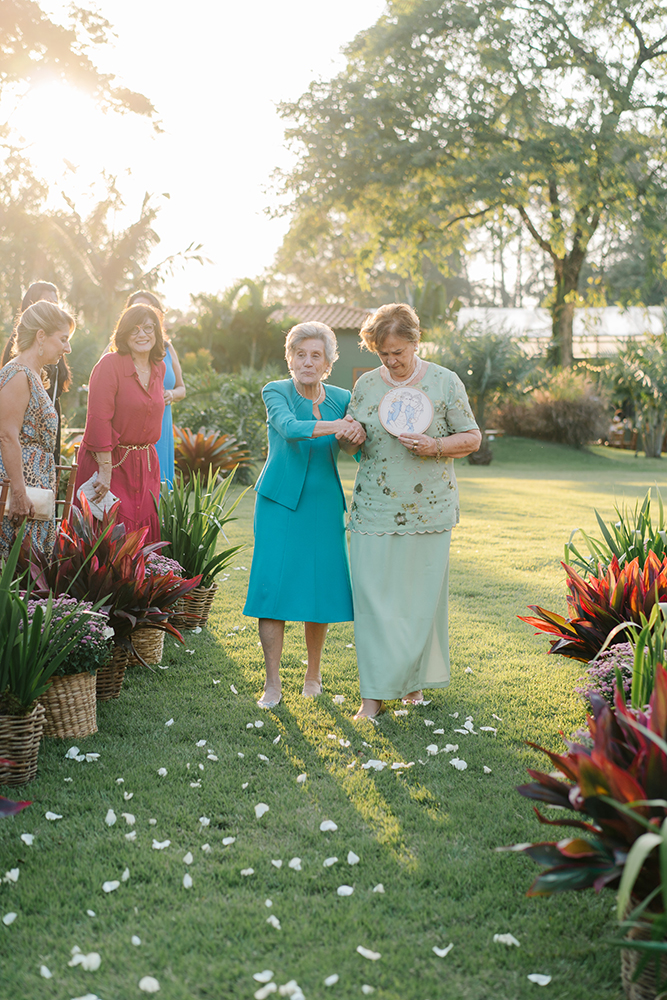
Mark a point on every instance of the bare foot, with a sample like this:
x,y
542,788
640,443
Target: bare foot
x,y
312,686
270,697
414,698
368,709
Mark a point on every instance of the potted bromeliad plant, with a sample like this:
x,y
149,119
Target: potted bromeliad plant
x,y
192,516
100,561
35,641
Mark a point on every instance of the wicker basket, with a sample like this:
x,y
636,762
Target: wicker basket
x,y
149,643
110,678
192,610
71,706
645,987
19,743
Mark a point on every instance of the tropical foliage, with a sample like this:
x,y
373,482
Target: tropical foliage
x,y
207,452
632,536
638,379
564,407
618,785
192,516
620,594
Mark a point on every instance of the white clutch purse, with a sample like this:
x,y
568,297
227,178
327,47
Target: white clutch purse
x,y
44,502
97,508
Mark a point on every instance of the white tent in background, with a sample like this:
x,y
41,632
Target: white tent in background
x,y
596,332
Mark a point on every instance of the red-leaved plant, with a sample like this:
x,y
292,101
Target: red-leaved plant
x,y
101,561
599,604
619,785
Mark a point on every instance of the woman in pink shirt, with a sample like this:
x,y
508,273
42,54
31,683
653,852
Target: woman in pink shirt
x,y
124,422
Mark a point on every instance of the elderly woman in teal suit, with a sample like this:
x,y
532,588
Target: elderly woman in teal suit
x,y
300,568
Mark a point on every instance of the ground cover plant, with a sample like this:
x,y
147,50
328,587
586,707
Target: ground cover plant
x,y
427,833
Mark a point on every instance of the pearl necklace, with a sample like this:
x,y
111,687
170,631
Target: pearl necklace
x,y
406,381
320,396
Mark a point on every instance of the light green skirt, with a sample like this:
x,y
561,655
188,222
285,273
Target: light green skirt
x,y
400,585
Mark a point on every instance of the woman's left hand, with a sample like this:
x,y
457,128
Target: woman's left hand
x,y
419,444
168,397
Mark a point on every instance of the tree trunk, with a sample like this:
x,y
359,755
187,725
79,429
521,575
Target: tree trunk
x,y
562,313
653,430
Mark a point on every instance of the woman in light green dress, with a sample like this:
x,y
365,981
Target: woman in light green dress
x,y
405,503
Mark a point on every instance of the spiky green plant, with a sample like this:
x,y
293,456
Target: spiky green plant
x,y
632,536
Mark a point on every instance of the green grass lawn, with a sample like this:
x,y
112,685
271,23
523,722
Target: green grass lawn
x,y
427,833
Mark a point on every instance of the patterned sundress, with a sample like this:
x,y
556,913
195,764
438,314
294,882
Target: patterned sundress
x,y
37,439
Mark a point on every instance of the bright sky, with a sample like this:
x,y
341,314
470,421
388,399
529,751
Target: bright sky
x,y
215,72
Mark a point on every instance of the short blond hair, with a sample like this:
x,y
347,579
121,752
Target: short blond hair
x,y
43,315
312,331
395,317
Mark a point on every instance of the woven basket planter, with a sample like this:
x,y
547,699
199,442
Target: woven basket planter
x,y
192,611
149,643
110,677
19,743
645,987
70,705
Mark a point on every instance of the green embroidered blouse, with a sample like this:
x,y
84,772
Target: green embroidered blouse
x,y
396,492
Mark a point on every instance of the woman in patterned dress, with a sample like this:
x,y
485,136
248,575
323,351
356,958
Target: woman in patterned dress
x,y
28,419
401,518
124,421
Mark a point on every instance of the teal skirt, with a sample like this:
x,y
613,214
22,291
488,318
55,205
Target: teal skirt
x,y
401,625
300,566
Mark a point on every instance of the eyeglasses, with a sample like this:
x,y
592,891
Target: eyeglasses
x,y
146,328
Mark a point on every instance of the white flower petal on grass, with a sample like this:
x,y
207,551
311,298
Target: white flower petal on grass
x,y
149,984
169,722
68,779
92,756
468,670
488,729
277,864
91,913
367,990
263,977
379,888
188,859
344,743
507,939
328,862
128,795
450,748
438,732
89,963
352,858
159,845
487,770
260,809
453,715
244,785
195,784
204,821
9,918
265,991
537,977
211,756
328,826
338,699
277,739
344,890
400,711
273,921
463,732
249,725
258,724
129,818
301,778
233,689
52,816
120,781
262,756
367,953
247,871
187,881
201,766
295,864
442,952
45,972
332,980
135,940
72,753
206,848
268,902
497,717
110,886
110,818
400,765
88,996
125,876
132,835
162,771
376,765
200,743
460,765
216,682
12,875
432,749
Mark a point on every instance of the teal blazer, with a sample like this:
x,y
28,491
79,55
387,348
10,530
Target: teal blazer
x,y
290,431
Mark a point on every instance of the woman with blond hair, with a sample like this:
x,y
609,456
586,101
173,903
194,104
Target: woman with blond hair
x,y
417,419
28,419
300,569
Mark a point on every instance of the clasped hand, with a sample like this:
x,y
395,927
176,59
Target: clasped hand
x,y
351,431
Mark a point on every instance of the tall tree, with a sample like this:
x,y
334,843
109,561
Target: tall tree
x,y
450,113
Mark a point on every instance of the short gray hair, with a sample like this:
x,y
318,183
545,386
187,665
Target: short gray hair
x,y
312,331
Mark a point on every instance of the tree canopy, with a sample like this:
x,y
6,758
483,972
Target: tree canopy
x,y
448,114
